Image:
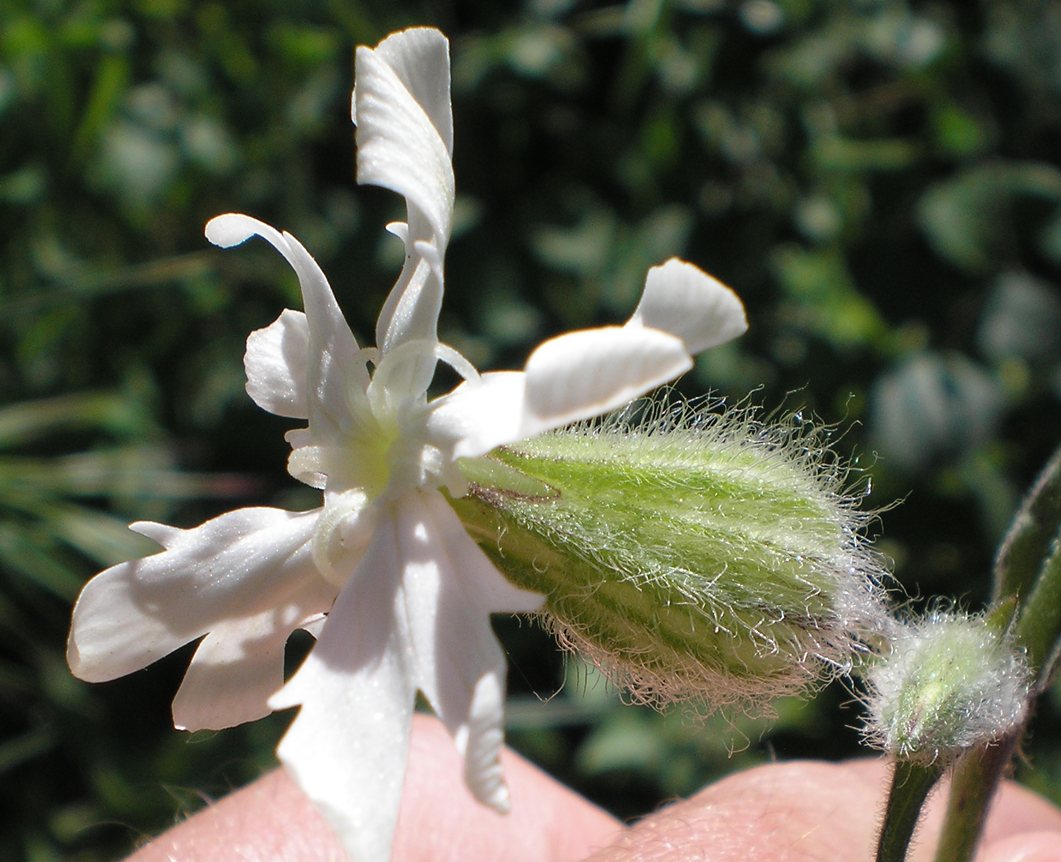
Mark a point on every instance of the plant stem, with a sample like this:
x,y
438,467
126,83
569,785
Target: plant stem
x,y
911,784
976,776
1028,572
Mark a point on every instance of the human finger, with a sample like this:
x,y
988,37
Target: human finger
x,y
805,810
271,820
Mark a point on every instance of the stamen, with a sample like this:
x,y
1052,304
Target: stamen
x,y
457,361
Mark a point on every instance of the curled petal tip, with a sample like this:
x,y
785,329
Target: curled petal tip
x,y
399,229
683,300
231,229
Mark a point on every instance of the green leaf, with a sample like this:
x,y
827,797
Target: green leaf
x,y
1027,544
1039,628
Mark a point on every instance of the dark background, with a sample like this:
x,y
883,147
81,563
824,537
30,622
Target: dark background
x,y
877,180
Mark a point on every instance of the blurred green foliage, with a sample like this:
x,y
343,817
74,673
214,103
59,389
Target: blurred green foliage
x,y
877,179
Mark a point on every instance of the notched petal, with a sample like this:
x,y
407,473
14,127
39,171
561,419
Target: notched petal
x,y
239,665
450,591
346,748
234,566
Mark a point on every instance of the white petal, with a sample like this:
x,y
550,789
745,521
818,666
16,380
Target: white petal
x,y
419,57
583,374
415,614
276,363
404,135
399,147
239,665
685,301
234,566
231,229
164,534
574,376
452,590
438,548
410,314
480,415
347,747
589,372
335,367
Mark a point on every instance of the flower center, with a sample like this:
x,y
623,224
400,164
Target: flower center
x,y
383,449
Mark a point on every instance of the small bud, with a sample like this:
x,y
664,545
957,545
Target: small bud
x,y
951,682
692,556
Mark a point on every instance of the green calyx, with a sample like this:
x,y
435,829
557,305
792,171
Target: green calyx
x,y
951,683
692,556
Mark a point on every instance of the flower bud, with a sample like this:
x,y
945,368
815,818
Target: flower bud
x,y
692,556
951,682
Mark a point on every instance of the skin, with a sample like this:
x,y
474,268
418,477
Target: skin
x,y
792,812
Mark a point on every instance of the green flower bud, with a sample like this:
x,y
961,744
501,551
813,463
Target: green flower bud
x,y
951,682
692,556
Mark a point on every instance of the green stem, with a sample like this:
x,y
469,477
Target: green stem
x,y
1028,573
911,784
976,776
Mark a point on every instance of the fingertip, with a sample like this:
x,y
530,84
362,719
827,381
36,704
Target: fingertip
x,y
1042,846
1019,811
798,811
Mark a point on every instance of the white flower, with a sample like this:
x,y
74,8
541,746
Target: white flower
x,y
397,593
